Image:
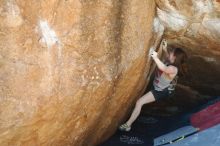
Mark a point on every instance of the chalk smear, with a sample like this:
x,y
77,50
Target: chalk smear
x,y
203,6
173,19
48,35
213,25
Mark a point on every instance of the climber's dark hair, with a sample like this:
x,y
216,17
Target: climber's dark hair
x,y
181,57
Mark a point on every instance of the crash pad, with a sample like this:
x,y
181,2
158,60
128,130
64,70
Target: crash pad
x,y
175,135
207,137
207,117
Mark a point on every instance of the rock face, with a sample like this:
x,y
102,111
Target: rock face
x,y
195,26
70,69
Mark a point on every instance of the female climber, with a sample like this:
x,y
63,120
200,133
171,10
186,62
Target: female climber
x,y
163,83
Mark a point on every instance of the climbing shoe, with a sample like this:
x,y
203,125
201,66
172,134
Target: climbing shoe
x,y
124,127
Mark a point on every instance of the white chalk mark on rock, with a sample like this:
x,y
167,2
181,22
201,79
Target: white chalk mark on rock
x,y
213,25
49,38
173,19
13,18
209,59
151,51
48,35
131,140
158,27
203,6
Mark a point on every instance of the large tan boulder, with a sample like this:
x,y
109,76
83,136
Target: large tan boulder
x,y
70,69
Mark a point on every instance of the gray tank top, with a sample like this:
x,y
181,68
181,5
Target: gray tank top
x,y
161,81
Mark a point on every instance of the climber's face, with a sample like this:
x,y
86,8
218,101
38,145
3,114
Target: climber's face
x,y
172,57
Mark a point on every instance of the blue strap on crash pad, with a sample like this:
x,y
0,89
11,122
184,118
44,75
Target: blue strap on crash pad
x,y
174,136
208,137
